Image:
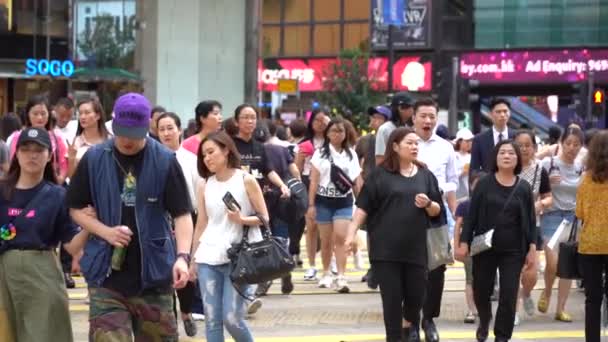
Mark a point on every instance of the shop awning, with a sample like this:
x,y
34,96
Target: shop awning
x,y
105,74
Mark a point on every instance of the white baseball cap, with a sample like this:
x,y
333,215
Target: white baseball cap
x,y
464,134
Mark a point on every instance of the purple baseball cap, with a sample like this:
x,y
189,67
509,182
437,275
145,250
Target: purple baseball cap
x,y
382,110
131,116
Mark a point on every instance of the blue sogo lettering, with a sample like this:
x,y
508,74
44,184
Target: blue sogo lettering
x,y
30,67
67,68
55,68
45,67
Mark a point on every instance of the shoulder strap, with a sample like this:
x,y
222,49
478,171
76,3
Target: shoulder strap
x,y
33,202
535,176
502,211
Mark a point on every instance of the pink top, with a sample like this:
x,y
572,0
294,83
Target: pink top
x,y
307,148
191,144
59,149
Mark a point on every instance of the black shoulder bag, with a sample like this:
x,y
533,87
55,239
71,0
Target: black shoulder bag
x,y
341,180
259,262
568,261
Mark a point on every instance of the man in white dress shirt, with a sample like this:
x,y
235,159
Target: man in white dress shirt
x,y
439,156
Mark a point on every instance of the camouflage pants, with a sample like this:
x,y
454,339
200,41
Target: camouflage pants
x,y
145,318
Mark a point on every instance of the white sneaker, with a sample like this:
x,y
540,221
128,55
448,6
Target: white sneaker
x,y
358,261
326,281
311,274
529,305
333,267
516,321
254,306
342,285
198,317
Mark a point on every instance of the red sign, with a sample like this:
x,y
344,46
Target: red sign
x,y
408,73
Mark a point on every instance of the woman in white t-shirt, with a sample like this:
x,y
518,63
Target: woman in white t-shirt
x,y
315,136
464,142
217,228
169,132
331,208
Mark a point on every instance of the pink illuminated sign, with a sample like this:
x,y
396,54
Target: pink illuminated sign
x,y
548,66
408,73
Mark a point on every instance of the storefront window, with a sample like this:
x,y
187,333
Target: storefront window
x,y
355,35
313,27
104,33
327,39
357,9
30,17
538,23
297,41
297,10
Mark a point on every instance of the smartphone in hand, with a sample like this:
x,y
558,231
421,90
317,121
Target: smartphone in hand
x,y
230,202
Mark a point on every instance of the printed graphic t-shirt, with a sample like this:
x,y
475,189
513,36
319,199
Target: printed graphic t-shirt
x,y
41,227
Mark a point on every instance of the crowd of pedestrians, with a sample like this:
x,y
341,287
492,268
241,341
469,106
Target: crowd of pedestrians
x,y
148,213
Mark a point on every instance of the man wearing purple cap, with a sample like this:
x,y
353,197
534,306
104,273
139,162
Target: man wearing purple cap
x,y
130,262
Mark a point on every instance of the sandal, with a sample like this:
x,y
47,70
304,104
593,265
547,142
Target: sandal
x,y
543,303
563,317
470,318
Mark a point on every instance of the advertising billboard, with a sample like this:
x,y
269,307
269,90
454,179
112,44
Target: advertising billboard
x,y
538,66
415,33
411,73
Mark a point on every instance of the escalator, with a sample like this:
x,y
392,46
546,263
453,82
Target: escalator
x,y
521,113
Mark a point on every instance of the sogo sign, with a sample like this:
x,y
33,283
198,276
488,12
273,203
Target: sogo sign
x,y
45,67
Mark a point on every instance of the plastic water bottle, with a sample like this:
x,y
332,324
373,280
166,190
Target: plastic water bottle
x,y
119,254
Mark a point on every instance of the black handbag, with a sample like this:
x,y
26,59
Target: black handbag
x,y
568,259
259,262
340,179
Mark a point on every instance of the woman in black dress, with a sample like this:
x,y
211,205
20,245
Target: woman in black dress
x,y
503,202
397,201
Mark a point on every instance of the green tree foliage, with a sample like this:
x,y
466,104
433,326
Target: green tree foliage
x,y
106,45
348,89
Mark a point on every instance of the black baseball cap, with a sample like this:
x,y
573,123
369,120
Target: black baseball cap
x,y
36,135
402,99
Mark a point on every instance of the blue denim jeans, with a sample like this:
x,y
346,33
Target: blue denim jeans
x,y
224,307
551,220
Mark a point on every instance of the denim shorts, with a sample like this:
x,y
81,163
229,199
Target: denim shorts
x,y
327,215
552,219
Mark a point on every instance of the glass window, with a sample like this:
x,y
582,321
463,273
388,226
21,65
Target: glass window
x,y
297,40
327,39
271,11
540,23
271,40
29,15
357,9
327,10
355,34
297,10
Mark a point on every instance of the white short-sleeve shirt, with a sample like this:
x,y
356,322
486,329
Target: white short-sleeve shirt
x,y
349,164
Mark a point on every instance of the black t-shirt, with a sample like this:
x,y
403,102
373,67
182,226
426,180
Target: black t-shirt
x,y
279,159
507,231
253,157
128,280
43,226
396,227
462,209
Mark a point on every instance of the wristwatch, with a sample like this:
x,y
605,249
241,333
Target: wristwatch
x,y
185,256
